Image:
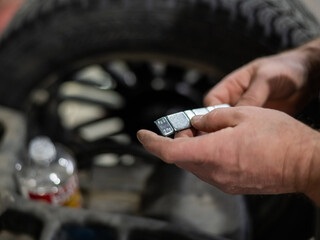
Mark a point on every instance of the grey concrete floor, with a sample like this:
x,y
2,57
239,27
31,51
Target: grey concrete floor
x,y
314,7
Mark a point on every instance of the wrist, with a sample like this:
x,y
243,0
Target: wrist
x,y
312,186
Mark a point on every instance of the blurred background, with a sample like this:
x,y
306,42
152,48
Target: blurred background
x,y
95,108
314,6
8,7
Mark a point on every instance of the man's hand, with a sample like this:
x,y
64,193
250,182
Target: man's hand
x,y
245,150
280,82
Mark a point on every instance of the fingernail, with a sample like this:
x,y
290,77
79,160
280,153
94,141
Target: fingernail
x,y
196,118
139,135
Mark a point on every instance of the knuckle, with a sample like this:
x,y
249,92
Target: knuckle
x,y
207,100
231,190
250,99
202,176
239,113
222,179
259,61
211,116
227,184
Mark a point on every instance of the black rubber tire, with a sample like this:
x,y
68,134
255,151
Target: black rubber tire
x,y
45,36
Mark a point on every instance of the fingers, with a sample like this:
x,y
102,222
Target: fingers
x,y
231,88
256,95
241,88
169,150
185,133
217,119
149,141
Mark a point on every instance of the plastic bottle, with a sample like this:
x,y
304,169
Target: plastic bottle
x,y
49,174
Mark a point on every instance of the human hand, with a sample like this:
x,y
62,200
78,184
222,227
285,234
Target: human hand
x,y
246,150
279,82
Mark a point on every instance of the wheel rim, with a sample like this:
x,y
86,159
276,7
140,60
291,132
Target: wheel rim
x,y
97,108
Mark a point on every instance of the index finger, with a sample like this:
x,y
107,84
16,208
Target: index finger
x,y
169,150
231,88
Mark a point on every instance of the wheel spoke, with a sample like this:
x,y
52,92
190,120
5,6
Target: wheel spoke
x,y
87,123
90,83
100,107
104,128
125,80
86,99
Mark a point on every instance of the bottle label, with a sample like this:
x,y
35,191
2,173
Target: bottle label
x,y
68,195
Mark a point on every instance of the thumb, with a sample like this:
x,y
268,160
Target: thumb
x,y
217,119
256,95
